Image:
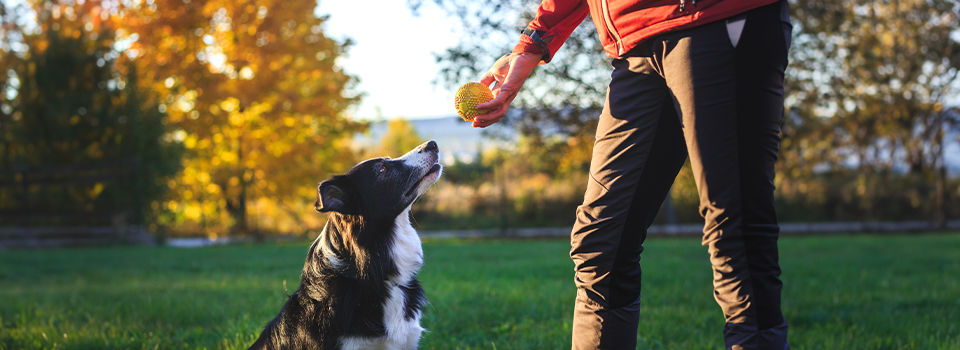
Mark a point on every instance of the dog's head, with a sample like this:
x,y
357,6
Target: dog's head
x,y
381,187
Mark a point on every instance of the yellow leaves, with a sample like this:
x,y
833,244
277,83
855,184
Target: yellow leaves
x,y
261,12
189,175
229,105
190,142
246,73
245,100
887,39
192,211
179,135
42,45
227,157
236,119
277,149
275,65
223,27
96,190
186,101
259,108
203,177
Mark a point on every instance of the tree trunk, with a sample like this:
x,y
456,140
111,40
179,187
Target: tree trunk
x,y
941,175
239,210
942,196
866,199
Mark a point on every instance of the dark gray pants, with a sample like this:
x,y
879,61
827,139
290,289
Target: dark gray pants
x,y
730,104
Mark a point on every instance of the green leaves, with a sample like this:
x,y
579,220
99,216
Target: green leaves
x,y
71,109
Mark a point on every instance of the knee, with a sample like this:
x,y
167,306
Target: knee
x,y
719,211
625,286
613,288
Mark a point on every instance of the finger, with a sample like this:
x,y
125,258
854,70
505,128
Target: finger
x,y
493,119
488,78
504,96
497,108
477,123
496,72
494,103
492,116
489,116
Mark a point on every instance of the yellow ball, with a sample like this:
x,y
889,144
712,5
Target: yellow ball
x,y
468,97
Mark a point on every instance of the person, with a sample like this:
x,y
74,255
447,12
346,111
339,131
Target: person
x,y
698,79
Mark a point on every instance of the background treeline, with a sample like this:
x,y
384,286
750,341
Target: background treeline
x,y
219,117
872,102
185,116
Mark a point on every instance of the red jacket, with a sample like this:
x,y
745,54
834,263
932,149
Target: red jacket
x,y
622,24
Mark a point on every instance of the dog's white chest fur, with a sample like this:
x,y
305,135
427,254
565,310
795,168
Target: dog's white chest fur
x,y
402,333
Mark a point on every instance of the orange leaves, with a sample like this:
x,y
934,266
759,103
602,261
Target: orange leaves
x,y
242,79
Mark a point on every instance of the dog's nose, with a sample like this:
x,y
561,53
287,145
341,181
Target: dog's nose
x,y
430,146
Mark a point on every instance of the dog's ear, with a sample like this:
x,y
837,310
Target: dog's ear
x,y
332,196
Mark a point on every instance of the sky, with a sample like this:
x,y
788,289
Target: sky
x,y
393,56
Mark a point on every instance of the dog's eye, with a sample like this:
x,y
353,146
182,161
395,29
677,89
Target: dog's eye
x,y
381,168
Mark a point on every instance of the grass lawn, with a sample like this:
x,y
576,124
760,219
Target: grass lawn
x,y
841,292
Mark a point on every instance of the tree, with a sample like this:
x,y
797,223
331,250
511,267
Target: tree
x,y
400,138
253,93
869,81
68,103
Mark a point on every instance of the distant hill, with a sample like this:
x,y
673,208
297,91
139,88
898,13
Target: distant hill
x,y
457,139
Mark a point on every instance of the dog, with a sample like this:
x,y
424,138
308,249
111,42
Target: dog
x,y
359,288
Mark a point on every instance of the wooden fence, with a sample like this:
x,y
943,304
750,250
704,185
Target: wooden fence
x,y
29,217
789,228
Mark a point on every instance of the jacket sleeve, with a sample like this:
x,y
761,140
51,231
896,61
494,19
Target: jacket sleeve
x,y
556,19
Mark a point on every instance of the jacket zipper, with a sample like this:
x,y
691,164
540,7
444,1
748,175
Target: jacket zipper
x,y
610,28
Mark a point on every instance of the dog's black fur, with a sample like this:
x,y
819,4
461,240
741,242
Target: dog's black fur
x,y
352,269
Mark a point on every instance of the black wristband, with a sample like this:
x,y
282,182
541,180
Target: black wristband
x,y
537,37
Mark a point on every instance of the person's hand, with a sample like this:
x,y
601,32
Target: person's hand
x,y
509,73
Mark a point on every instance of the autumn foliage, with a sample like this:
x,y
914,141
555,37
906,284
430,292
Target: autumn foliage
x,y
252,88
248,89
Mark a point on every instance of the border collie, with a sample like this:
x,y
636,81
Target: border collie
x,y
359,288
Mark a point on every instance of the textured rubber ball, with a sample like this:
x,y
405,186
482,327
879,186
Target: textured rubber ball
x,y
468,97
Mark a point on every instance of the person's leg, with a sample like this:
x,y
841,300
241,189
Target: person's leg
x,y
732,132
637,154
761,61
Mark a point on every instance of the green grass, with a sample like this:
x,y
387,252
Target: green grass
x,y
841,292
